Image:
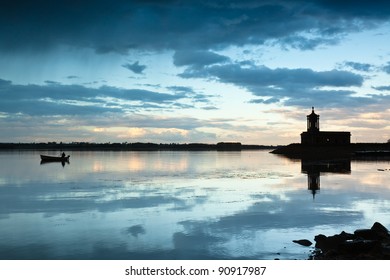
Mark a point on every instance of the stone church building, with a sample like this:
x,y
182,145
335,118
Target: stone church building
x,y
313,135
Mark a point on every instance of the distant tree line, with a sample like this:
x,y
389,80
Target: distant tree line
x,y
138,146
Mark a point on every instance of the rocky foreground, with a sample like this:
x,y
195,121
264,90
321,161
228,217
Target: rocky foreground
x,y
363,244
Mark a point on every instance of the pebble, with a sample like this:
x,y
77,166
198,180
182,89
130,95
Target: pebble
x,y
303,242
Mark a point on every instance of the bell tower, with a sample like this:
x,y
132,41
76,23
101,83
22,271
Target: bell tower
x,y
313,135
313,122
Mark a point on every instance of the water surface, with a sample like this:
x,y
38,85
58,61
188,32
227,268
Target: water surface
x,y
182,205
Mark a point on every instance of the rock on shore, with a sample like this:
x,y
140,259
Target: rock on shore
x,y
363,244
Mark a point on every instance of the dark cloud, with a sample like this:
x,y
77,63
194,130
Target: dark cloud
x,y
284,77
181,89
306,43
386,68
363,8
265,101
382,88
48,82
54,98
70,77
197,58
135,67
118,27
191,93
364,67
302,87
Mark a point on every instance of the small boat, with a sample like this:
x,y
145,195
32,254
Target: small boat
x,y
52,158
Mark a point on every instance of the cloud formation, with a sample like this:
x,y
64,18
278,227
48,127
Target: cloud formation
x,y
364,67
190,55
135,67
294,87
179,25
386,68
197,59
57,99
73,111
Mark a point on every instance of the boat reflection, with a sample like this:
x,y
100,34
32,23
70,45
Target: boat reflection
x,y
63,163
314,169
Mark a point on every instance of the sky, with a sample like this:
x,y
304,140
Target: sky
x,y
193,71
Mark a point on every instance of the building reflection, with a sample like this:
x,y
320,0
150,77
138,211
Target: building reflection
x,y
314,169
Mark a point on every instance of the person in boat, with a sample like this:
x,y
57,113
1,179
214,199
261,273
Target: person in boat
x,y
63,154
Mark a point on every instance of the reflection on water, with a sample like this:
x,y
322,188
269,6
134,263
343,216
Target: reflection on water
x,y
63,163
314,168
181,205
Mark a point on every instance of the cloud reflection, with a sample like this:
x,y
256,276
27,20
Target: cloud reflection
x,y
136,230
205,211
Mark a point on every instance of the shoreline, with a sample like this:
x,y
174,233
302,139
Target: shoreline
x,y
348,151
138,146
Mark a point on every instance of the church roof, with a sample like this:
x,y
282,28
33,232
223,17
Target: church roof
x,y
312,113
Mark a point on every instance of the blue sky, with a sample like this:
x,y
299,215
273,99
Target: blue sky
x,y
193,71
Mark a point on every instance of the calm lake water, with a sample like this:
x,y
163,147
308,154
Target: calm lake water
x,y
182,205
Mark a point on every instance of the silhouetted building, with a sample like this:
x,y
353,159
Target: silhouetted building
x,y
313,135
